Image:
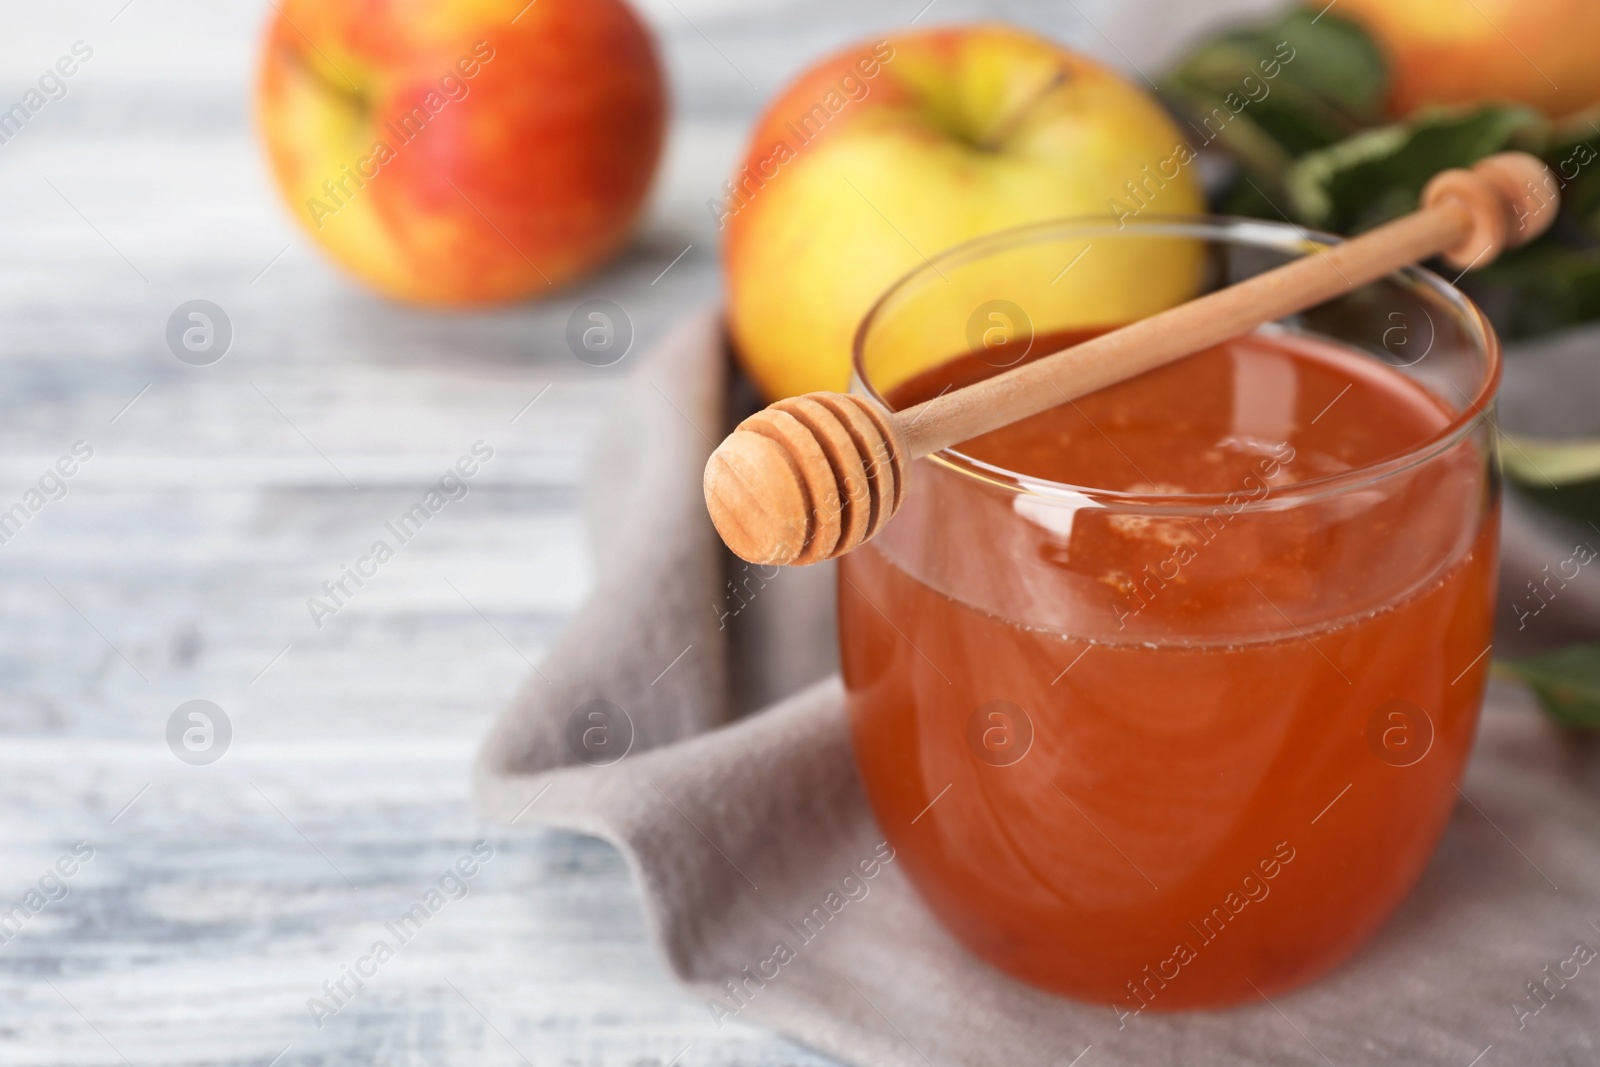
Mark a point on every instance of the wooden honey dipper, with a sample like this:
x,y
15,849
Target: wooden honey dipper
x,y
812,477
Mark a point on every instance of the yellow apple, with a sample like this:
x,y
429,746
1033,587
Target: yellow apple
x,y
1536,52
889,152
458,152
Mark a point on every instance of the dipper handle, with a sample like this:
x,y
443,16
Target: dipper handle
x,y
812,477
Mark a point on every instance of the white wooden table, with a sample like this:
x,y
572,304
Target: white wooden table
x,y
221,898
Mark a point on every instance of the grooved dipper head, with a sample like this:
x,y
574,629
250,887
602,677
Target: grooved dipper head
x,y
807,479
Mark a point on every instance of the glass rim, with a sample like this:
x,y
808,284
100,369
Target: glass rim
x,y
1227,229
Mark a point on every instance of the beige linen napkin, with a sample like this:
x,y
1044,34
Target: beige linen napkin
x,y
773,898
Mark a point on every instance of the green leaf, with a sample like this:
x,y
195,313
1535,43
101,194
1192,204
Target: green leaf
x,y
1562,476
1571,149
1567,683
1311,144
1271,91
1554,282
1549,285
1335,61
1378,174
1550,464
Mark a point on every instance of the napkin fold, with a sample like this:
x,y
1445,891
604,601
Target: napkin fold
x,y
691,716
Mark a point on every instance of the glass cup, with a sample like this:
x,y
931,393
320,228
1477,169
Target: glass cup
x,y
1160,749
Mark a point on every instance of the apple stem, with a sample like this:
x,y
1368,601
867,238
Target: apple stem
x,y
1000,132
343,87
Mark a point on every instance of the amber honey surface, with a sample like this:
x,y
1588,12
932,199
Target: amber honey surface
x,y
1176,758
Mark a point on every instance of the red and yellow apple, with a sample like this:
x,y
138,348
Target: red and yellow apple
x,y
892,151
1535,52
459,152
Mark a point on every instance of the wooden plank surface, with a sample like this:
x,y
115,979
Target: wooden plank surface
x,y
178,564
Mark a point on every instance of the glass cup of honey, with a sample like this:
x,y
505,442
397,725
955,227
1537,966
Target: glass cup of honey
x,y
1162,696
